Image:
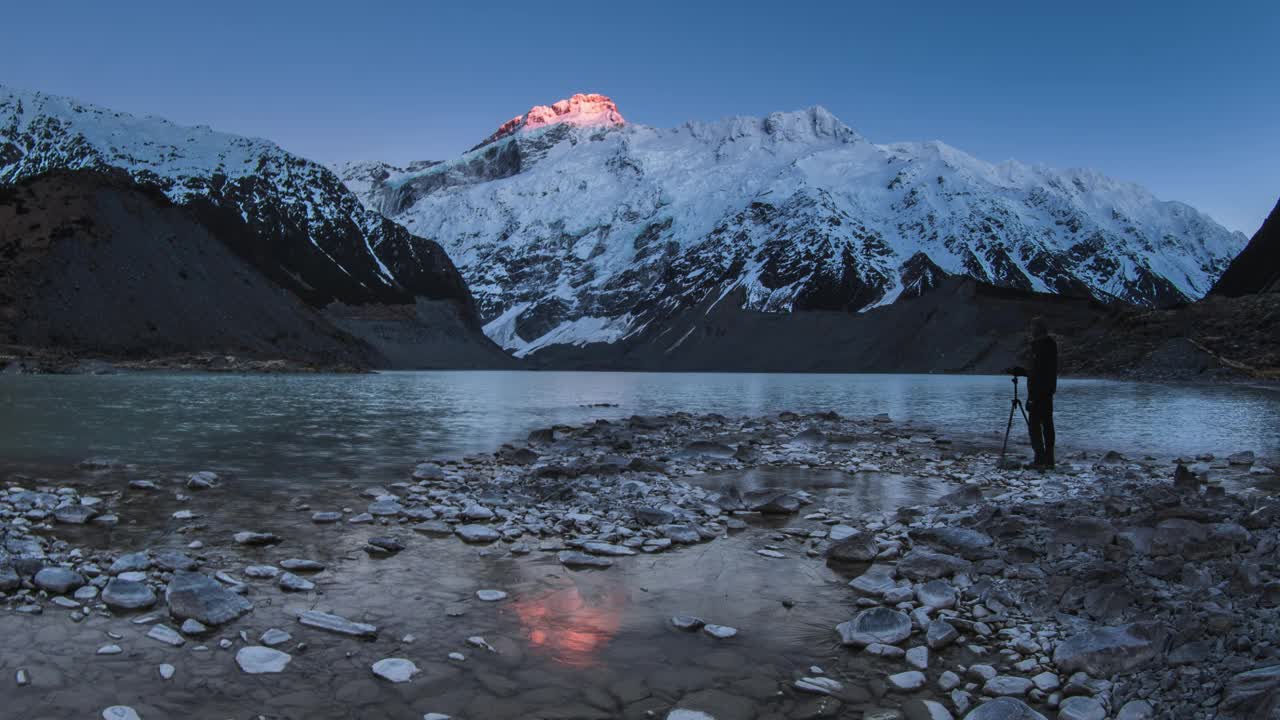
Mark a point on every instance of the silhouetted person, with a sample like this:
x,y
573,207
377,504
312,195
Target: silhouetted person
x,y
1042,383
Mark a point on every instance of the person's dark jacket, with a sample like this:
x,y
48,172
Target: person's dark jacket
x,y
1042,375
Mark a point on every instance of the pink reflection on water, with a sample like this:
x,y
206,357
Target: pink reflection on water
x,y
569,627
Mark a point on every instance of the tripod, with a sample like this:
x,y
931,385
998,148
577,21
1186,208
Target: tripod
x,y
1015,406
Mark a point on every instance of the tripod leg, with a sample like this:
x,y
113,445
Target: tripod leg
x,y
1008,426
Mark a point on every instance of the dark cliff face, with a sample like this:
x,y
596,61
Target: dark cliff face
x,y
1257,268
96,263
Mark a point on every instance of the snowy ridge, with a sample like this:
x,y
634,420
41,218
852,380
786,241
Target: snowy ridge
x,y
354,255
571,234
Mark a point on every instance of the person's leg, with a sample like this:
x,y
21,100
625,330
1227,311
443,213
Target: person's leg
x,y
1048,431
1034,425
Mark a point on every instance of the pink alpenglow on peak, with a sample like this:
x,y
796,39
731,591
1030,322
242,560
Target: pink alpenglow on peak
x,y
582,110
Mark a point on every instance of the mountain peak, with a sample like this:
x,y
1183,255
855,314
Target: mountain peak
x,y
582,109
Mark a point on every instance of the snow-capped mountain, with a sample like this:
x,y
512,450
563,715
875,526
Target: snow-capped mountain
x,y
572,226
315,237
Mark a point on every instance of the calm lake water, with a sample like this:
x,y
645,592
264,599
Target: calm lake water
x,y
372,427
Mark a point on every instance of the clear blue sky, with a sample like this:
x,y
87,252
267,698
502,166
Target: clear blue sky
x,y
1181,97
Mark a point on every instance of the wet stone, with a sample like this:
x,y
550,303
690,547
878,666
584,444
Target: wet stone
x,y
255,538
196,596
1002,685
301,565
322,518
74,514
905,681
396,670
274,636
262,572
337,624
193,627
166,671
491,595
58,580
477,533
877,625
722,632
434,527
258,660
687,622
575,559
292,583
166,635
819,685
130,562
119,712
1004,708
1081,708
203,480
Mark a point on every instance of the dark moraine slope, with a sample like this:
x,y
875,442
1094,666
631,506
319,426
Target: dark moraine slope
x,y
1257,268
960,325
96,264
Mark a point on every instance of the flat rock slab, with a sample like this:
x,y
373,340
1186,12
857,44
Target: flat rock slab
x,y
166,635
200,597
120,712
1106,651
600,548
491,595
293,583
337,624
722,632
575,559
877,580
477,533
396,670
819,685
300,565
255,538
258,660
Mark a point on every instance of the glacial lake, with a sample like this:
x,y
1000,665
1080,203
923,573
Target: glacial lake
x,y
316,428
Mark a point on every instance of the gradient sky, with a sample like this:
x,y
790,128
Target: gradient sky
x,y
1180,97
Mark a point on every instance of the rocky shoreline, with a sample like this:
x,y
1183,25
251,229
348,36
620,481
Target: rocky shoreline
x,y
1113,587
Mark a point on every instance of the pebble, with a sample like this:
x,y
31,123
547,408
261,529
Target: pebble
x,y
120,712
491,595
166,671
110,650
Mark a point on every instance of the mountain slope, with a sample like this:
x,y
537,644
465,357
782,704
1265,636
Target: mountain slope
x,y
98,263
1257,268
593,231
291,219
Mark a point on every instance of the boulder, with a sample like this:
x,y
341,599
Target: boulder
x,y
1255,693
925,564
876,625
856,547
877,580
58,580
121,594
967,543
200,597
1004,708
771,501
937,594
1106,651
1081,708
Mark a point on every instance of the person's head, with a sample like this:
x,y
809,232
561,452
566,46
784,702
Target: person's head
x,y
1039,328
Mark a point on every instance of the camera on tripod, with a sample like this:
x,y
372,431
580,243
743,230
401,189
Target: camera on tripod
x,y
1016,371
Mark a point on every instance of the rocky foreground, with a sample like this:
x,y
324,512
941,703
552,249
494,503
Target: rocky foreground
x,y
1111,588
